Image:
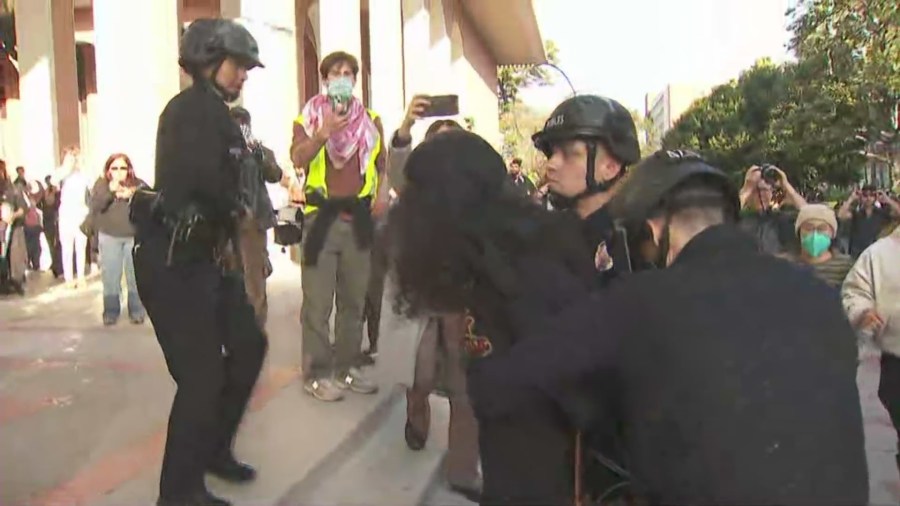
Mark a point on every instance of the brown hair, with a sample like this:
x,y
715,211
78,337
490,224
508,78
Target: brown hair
x,y
130,179
435,127
336,58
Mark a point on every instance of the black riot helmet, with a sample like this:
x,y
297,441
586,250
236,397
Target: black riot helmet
x,y
667,183
592,119
209,41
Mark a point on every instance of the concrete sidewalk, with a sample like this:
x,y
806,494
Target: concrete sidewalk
x,y
83,413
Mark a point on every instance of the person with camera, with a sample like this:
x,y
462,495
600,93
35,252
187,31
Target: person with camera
x,y
766,193
868,212
186,266
715,398
258,167
340,143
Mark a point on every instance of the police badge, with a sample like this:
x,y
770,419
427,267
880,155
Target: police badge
x,y
603,261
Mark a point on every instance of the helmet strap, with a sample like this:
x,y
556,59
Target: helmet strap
x,y
592,185
226,95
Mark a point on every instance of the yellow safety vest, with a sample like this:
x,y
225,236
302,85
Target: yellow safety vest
x,y
315,174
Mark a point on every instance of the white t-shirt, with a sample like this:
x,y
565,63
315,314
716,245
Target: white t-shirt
x,y
73,198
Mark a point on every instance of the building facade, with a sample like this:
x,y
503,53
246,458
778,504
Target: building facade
x,y
97,73
666,107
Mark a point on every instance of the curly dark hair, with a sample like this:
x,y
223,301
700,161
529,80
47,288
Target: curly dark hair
x,y
460,226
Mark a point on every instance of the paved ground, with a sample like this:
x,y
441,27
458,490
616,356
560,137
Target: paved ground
x,y
83,414
83,411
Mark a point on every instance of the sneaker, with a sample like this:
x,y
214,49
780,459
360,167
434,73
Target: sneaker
x,y
355,381
323,390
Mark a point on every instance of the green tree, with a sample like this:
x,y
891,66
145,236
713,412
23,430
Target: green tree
x,y
8,30
518,124
730,126
512,78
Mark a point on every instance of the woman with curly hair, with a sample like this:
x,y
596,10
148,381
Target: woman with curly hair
x,y
465,241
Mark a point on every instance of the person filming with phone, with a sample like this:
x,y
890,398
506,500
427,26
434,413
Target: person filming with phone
x,y
340,143
868,211
764,196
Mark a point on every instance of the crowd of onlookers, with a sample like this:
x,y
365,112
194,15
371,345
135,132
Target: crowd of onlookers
x,y
82,222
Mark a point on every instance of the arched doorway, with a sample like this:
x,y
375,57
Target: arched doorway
x,y
310,63
9,113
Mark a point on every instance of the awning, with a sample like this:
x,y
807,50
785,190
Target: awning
x,y
509,28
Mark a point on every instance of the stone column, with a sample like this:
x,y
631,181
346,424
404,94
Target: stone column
x,y
416,48
271,94
441,80
137,74
48,82
339,30
386,32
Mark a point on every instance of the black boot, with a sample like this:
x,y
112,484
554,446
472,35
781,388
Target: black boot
x,y
230,469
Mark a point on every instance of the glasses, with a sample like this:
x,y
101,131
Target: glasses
x,y
118,167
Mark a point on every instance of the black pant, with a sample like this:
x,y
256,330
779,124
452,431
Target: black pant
x,y
889,390
376,287
33,246
51,232
196,312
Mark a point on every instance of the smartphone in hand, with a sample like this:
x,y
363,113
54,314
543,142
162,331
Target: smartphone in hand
x,y
441,105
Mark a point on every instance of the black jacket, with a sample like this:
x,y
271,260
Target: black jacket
x,y
733,373
198,151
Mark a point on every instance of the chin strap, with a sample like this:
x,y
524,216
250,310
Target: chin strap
x,y
592,186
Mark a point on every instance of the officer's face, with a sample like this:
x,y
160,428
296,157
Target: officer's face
x,y
567,168
231,76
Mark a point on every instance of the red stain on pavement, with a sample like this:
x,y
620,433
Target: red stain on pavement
x,y
130,461
13,407
26,363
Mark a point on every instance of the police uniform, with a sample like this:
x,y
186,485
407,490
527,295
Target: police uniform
x,y
596,121
736,382
205,326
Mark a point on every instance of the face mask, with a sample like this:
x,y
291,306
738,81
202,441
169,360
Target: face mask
x,y
815,243
340,90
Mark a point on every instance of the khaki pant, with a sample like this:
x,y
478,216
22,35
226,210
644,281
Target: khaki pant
x,y
442,342
256,267
340,278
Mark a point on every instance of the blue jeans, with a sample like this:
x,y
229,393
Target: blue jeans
x,y
115,255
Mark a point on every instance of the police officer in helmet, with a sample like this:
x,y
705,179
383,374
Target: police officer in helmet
x,y
715,382
187,274
589,141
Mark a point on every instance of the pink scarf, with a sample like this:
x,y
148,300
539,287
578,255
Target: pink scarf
x,y
360,136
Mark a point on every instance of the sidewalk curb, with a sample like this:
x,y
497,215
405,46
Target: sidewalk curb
x,y
344,450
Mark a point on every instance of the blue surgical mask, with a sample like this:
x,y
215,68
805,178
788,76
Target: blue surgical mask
x,y
815,243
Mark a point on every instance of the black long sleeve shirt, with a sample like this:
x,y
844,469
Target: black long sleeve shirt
x,y
198,149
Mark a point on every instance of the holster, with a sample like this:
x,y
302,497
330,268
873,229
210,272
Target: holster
x,y
192,237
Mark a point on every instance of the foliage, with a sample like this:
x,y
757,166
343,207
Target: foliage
x,y
512,78
805,116
8,29
643,125
518,124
